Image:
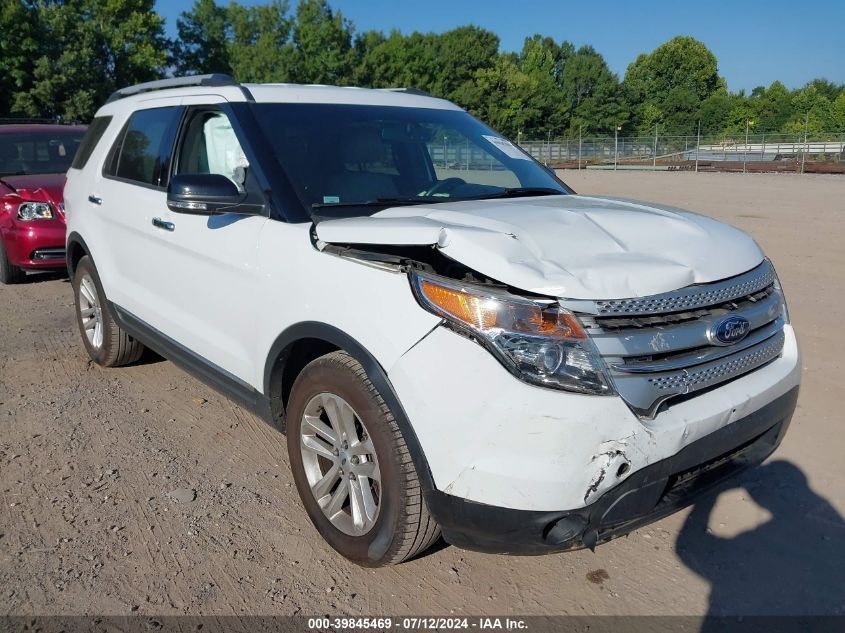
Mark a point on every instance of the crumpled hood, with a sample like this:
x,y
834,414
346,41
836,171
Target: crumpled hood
x,y
576,247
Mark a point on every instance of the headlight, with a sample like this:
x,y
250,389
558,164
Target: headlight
x,y
539,342
779,288
785,310
29,211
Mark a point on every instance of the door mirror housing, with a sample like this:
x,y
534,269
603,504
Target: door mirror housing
x,y
203,194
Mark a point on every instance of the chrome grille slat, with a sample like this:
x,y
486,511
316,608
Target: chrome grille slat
x,y
691,334
725,368
689,298
685,360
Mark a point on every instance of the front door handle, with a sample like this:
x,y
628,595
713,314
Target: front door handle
x,y
95,199
161,224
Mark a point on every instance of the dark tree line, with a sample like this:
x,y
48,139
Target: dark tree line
x,y
62,58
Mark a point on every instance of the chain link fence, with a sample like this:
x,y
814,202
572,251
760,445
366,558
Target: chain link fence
x,y
758,152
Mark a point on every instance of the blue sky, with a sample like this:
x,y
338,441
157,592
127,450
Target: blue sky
x,y
755,42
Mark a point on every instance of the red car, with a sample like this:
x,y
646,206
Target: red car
x,y
33,163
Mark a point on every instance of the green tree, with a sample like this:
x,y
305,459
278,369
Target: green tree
x,y
322,41
591,93
259,49
86,50
675,79
545,56
773,108
811,109
204,36
743,112
503,97
826,88
19,48
714,111
543,60
461,53
399,61
838,113
363,46
61,58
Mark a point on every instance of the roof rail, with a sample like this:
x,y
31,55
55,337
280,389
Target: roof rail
x,y
410,91
214,79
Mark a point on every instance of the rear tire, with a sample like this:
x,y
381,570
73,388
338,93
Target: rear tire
x,y
9,273
105,342
334,407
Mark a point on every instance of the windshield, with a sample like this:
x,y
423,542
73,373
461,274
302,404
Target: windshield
x,y
23,154
350,160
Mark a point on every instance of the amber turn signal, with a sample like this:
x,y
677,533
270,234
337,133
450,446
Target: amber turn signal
x,y
487,312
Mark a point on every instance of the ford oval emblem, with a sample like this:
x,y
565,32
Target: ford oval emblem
x,y
729,331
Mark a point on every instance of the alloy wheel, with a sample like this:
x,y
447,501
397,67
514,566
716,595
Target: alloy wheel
x,y
91,312
341,464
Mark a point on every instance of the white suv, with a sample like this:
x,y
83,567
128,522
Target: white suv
x,y
451,339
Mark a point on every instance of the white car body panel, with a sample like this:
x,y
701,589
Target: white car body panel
x,y
576,247
308,286
207,286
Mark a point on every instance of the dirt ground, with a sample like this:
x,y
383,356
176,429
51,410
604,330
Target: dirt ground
x,y
140,490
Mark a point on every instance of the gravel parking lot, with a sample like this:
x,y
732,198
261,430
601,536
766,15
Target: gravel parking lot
x,y
140,490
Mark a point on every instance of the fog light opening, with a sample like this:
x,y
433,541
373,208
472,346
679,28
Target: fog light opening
x,y
565,530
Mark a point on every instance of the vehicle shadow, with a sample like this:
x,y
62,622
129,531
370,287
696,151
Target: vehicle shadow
x,y
35,277
149,357
793,564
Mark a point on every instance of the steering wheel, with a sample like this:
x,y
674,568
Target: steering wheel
x,y
444,186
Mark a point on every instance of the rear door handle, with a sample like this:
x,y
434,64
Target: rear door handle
x,y
95,200
161,224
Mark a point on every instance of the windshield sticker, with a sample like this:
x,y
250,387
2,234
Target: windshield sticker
x,y
506,146
331,199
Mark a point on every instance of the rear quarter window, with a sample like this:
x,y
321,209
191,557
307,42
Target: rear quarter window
x,y
92,136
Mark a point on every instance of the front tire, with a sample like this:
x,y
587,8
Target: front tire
x,y
105,342
9,273
352,467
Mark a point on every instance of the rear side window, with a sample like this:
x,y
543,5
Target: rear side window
x,y
142,153
89,141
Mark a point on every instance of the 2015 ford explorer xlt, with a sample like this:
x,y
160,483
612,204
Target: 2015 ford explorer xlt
x,y
452,340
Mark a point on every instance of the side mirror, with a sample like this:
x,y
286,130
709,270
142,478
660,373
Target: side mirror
x,y
202,194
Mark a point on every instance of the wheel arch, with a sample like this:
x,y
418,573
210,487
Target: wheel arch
x,y
303,342
76,249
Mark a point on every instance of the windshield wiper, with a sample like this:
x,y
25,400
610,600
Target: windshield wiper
x,y
518,192
381,202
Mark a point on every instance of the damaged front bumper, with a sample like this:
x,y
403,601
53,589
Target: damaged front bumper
x,y
520,468
646,496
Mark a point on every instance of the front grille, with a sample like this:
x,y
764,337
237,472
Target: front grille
x,y
660,348
721,370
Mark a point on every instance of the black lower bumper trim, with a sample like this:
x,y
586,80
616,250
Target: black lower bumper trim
x,y
647,495
48,254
